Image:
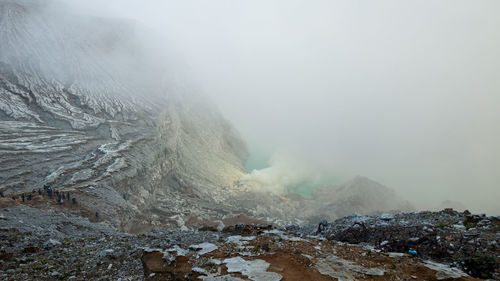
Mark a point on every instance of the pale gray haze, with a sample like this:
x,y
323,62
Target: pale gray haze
x,y
404,92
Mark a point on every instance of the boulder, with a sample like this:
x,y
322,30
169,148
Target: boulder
x,y
51,243
387,217
107,253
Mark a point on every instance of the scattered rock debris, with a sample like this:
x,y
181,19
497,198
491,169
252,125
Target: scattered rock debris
x,y
462,240
82,250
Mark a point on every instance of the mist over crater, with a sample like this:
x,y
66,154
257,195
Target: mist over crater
x,y
172,111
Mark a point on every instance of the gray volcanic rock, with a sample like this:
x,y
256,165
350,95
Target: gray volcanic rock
x,y
90,251
50,224
90,106
360,195
447,236
85,107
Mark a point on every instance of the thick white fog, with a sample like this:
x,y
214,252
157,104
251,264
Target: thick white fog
x,y
404,92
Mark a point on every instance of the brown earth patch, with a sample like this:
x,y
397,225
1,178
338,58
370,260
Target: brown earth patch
x,y
294,267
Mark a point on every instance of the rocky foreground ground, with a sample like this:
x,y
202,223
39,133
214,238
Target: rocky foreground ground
x,y
58,244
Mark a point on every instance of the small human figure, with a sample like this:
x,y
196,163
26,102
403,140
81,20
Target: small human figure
x,y
22,196
29,197
321,226
73,200
39,192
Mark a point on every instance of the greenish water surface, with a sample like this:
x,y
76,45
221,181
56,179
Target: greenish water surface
x,y
259,158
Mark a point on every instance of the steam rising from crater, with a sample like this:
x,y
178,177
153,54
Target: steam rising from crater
x,y
404,92
283,173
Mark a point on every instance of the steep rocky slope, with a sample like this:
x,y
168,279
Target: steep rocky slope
x,y
85,107
102,109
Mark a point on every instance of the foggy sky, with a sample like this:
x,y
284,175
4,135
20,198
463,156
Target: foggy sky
x,y
404,92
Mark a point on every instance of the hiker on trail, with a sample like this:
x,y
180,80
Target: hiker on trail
x,y
96,215
33,191
73,200
39,192
22,196
321,226
49,191
46,187
29,197
60,201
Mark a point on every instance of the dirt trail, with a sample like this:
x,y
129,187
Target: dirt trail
x,y
45,202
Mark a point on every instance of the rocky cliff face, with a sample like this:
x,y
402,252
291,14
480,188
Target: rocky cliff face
x,y
89,106
85,107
